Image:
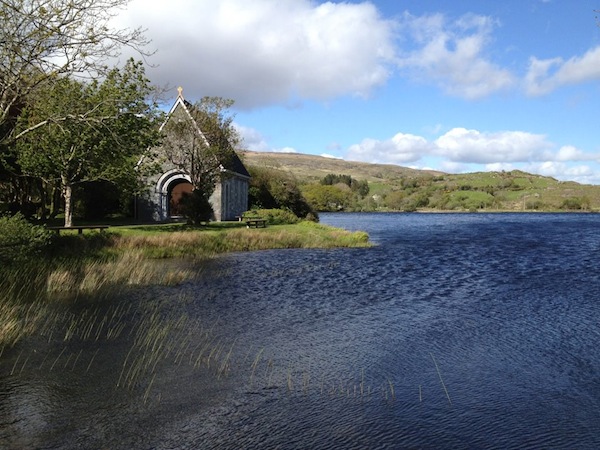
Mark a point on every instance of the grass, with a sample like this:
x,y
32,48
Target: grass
x,y
222,239
55,299
95,265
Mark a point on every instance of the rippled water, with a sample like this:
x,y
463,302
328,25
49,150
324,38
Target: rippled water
x,y
455,331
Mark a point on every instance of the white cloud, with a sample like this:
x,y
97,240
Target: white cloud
x,y
462,150
499,167
263,52
252,139
400,149
547,75
571,153
564,171
462,146
453,167
472,146
452,55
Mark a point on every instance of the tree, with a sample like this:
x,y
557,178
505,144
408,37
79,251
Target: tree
x,y
98,132
276,189
360,187
326,198
201,144
42,42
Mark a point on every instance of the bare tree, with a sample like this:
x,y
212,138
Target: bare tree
x,y
202,144
45,40
201,141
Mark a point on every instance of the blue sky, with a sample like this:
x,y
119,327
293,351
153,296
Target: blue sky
x,y
452,85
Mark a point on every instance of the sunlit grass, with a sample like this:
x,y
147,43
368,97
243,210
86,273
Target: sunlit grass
x,y
96,265
211,241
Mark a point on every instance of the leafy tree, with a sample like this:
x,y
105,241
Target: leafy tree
x,y
332,179
326,198
575,203
42,42
395,200
415,201
361,187
202,145
100,130
275,189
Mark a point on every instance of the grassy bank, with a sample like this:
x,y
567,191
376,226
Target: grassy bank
x,y
180,241
95,265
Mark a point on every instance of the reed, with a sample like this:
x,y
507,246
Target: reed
x,y
441,379
255,364
98,265
28,293
392,391
103,277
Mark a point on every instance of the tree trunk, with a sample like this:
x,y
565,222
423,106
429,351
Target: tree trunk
x,y
67,190
43,209
56,198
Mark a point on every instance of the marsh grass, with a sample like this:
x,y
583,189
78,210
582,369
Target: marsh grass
x,y
144,340
96,265
301,380
211,241
27,293
65,304
102,277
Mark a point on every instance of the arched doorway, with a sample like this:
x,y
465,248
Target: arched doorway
x,y
177,190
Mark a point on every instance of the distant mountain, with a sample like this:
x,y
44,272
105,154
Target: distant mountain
x,y
401,188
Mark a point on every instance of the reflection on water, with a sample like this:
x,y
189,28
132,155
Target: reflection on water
x,y
456,331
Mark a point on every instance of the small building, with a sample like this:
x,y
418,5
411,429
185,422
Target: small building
x,y
161,200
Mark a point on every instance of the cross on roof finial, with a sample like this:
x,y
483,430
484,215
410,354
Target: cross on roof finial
x,y
180,91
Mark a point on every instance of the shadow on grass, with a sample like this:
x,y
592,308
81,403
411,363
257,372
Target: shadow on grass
x,y
173,227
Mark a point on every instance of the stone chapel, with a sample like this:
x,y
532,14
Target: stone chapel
x,y
160,201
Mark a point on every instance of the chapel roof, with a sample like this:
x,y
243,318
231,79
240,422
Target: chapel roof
x,y
234,163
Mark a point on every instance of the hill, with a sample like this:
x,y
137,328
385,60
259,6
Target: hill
x,y
311,168
401,188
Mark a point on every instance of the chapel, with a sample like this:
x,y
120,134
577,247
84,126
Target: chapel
x,y
160,202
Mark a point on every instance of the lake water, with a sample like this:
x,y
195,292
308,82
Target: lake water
x,y
456,331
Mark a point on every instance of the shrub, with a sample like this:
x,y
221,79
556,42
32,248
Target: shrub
x,y
575,203
21,240
196,207
275,189
275,216
312,217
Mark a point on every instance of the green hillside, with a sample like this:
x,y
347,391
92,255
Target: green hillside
x,y
396,188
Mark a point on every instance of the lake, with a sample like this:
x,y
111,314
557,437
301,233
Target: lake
x,y
456,331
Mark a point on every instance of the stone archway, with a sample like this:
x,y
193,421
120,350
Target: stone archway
x,y
164,188
177,189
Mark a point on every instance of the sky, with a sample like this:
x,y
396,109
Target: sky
x,y
451,85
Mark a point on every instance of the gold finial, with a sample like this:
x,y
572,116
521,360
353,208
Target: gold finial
x,y
180,91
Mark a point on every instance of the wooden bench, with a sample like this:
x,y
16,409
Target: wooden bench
x,y
255,222
79,228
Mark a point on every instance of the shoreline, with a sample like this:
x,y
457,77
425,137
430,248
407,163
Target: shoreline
x,y
95,265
